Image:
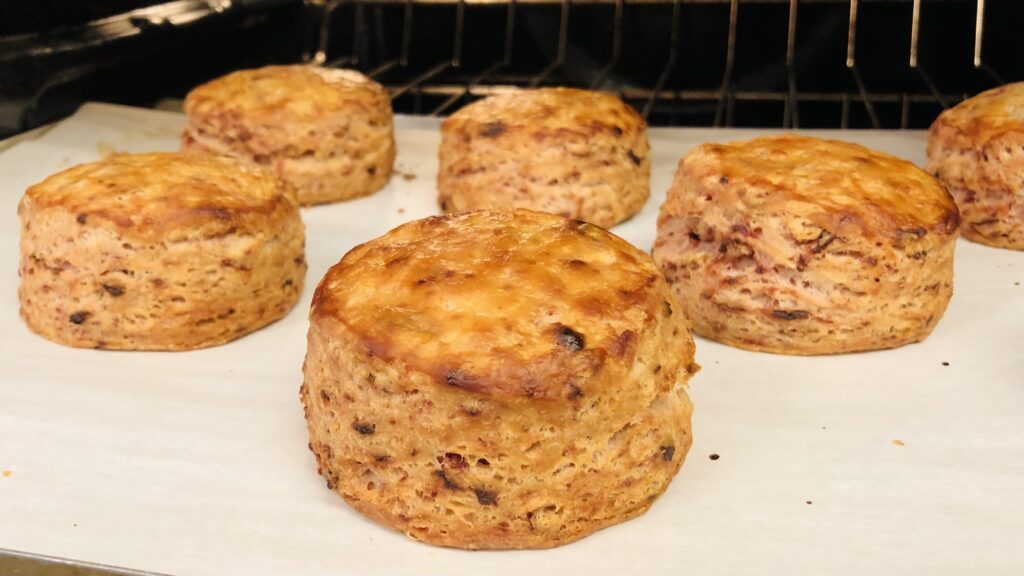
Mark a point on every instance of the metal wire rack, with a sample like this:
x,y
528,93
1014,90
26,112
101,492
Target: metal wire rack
x,y
872,73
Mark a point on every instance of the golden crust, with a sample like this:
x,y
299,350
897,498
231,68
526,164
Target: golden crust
x,y
801,246
839,185
158,252
286,94
497,380
163,195
995,114
571,152
465,299
546,110
327,132
977,150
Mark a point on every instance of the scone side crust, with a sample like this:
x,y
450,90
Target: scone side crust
x,y
157,195
842,185
576,153
456,467
566,319
977,150
602,179
791,277
89,285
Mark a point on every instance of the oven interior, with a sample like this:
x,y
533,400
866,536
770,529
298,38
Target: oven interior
x,y
884,64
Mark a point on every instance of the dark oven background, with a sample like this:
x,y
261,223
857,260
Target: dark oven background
x,y
758,63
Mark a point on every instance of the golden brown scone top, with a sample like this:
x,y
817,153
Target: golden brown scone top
x,y
990,115
501,302
298,93
161,194
977,144
837,184
547,109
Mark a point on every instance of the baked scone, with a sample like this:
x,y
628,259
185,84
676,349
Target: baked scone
x,y
571,152
158,252
327,132
977,150
797,245
497,379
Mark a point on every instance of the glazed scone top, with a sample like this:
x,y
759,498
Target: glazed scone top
x,y
500,302
839,184
163,195
992,114
298,93
979,144
547,109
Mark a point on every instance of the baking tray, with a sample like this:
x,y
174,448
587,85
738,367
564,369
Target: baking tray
x,y
909,461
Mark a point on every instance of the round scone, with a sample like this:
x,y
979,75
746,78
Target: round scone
x,y
977,150
497,380
571,152
797,245
158,252
327,132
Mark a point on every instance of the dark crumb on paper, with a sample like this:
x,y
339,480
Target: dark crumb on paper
x,y
809,502
1016,283
898,442
408,176
945,363
401,210
714,456
824,428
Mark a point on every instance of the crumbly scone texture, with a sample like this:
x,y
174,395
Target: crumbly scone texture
x,y
797,245
575,153
327,132
497,380
977,150
158,252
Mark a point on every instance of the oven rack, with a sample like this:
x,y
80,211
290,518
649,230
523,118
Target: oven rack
x,y
442,85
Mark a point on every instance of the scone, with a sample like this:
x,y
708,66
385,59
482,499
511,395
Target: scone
x,y
977,150
504,379
797,245
571,152
158,252
327,132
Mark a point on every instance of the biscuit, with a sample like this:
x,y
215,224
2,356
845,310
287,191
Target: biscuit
x,y
797,245
505,379
977,150
158,252
327,132
571,152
